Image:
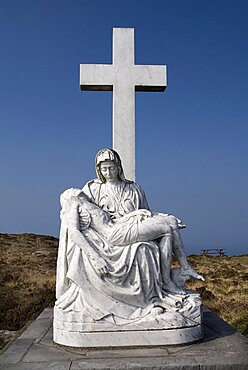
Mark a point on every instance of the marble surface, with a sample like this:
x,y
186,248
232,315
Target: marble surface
x,y
114,264
168,328
129,338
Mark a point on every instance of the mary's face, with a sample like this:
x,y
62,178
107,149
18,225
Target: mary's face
x,y
109,170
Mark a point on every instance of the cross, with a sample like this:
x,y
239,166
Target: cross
x,y
123,77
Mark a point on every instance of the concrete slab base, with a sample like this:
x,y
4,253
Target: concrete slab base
x,y
222,348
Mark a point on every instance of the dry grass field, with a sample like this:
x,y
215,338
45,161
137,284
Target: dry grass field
x,y
27,283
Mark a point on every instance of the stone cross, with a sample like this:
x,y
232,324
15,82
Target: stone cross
x,y
124,78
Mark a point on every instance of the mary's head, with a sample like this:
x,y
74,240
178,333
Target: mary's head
x,y
108,166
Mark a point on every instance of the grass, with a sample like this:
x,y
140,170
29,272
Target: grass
x,y
225,290
27,283
27,279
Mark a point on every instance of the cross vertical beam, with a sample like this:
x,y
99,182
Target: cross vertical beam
x,y
124,100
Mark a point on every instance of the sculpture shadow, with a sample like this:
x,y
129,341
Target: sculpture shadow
x,y
214,327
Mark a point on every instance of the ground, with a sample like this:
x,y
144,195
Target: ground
x,y
27,283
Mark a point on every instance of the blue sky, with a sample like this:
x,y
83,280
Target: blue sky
x,y
191,140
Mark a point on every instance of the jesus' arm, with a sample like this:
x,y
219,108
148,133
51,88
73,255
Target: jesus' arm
x,y
79,239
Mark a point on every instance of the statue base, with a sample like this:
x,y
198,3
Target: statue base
x,y
169,328
129,338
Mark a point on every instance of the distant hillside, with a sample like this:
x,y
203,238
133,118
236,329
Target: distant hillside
x,y
27,282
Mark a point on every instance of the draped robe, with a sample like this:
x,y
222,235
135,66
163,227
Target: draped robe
x,y
134,284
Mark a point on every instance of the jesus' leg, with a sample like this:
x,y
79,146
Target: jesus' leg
x,y
165,247
180,255
178,248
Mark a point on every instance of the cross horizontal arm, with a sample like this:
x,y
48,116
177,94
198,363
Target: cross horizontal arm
x,y
96,77
149,78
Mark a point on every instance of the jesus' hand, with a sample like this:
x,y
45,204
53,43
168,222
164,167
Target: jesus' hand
x,y
100,266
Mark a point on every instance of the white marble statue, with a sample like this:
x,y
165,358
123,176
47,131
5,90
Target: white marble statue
x,y
114,260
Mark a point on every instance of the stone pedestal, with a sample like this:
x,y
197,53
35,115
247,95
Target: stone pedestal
x,y
170,328
123,338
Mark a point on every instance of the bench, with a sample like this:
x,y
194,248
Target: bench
x,y
213,251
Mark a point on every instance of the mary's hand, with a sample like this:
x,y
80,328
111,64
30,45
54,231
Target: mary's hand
x,y
144,213
139,214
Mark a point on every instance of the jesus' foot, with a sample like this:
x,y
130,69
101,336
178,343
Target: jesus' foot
x,y
158,310
189,271
171,287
